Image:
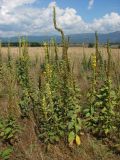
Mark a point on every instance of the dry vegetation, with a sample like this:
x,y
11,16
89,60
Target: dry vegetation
x,y
59,103
73,52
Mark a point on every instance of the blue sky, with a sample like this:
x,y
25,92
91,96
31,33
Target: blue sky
x,y
34,17
98,9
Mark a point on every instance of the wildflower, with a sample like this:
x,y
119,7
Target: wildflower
x,y
94,61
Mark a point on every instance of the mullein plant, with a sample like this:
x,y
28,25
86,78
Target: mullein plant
x,y
59,109
65,41
117,80
89,111
0,55
10,85
117,115
114,69
101,113
71,101
22,68
9,58
69,93
1,67
50,123
86,61
106,103
99,60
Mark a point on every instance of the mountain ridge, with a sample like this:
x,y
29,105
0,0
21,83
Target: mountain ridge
x,y
114,37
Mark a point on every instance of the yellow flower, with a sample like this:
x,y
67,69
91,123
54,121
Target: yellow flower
x,y
94,61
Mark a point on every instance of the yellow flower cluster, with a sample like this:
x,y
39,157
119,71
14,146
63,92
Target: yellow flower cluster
x,y
94,61
43,101
44,106
48,70
48,89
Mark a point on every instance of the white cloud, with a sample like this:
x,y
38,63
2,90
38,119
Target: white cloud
x,y
52,4
21,19
109,22
9,10
91,2
11,4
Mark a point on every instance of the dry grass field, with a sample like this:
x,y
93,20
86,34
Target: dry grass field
x,y
75,53
72,51
31,85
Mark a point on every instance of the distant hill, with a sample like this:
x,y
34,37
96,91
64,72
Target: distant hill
x,y
114,37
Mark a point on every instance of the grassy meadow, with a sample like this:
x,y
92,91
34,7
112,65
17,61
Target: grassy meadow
x,y
36,83
59,103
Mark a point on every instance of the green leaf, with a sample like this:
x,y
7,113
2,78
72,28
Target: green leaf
x,y
98,103
6,153
8,130
1,134
88,114
10,135
71,137
70,125
106,131
86,110
1,126
99,96
104,110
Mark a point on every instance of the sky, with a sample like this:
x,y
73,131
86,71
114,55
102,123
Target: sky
x,y
34,17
